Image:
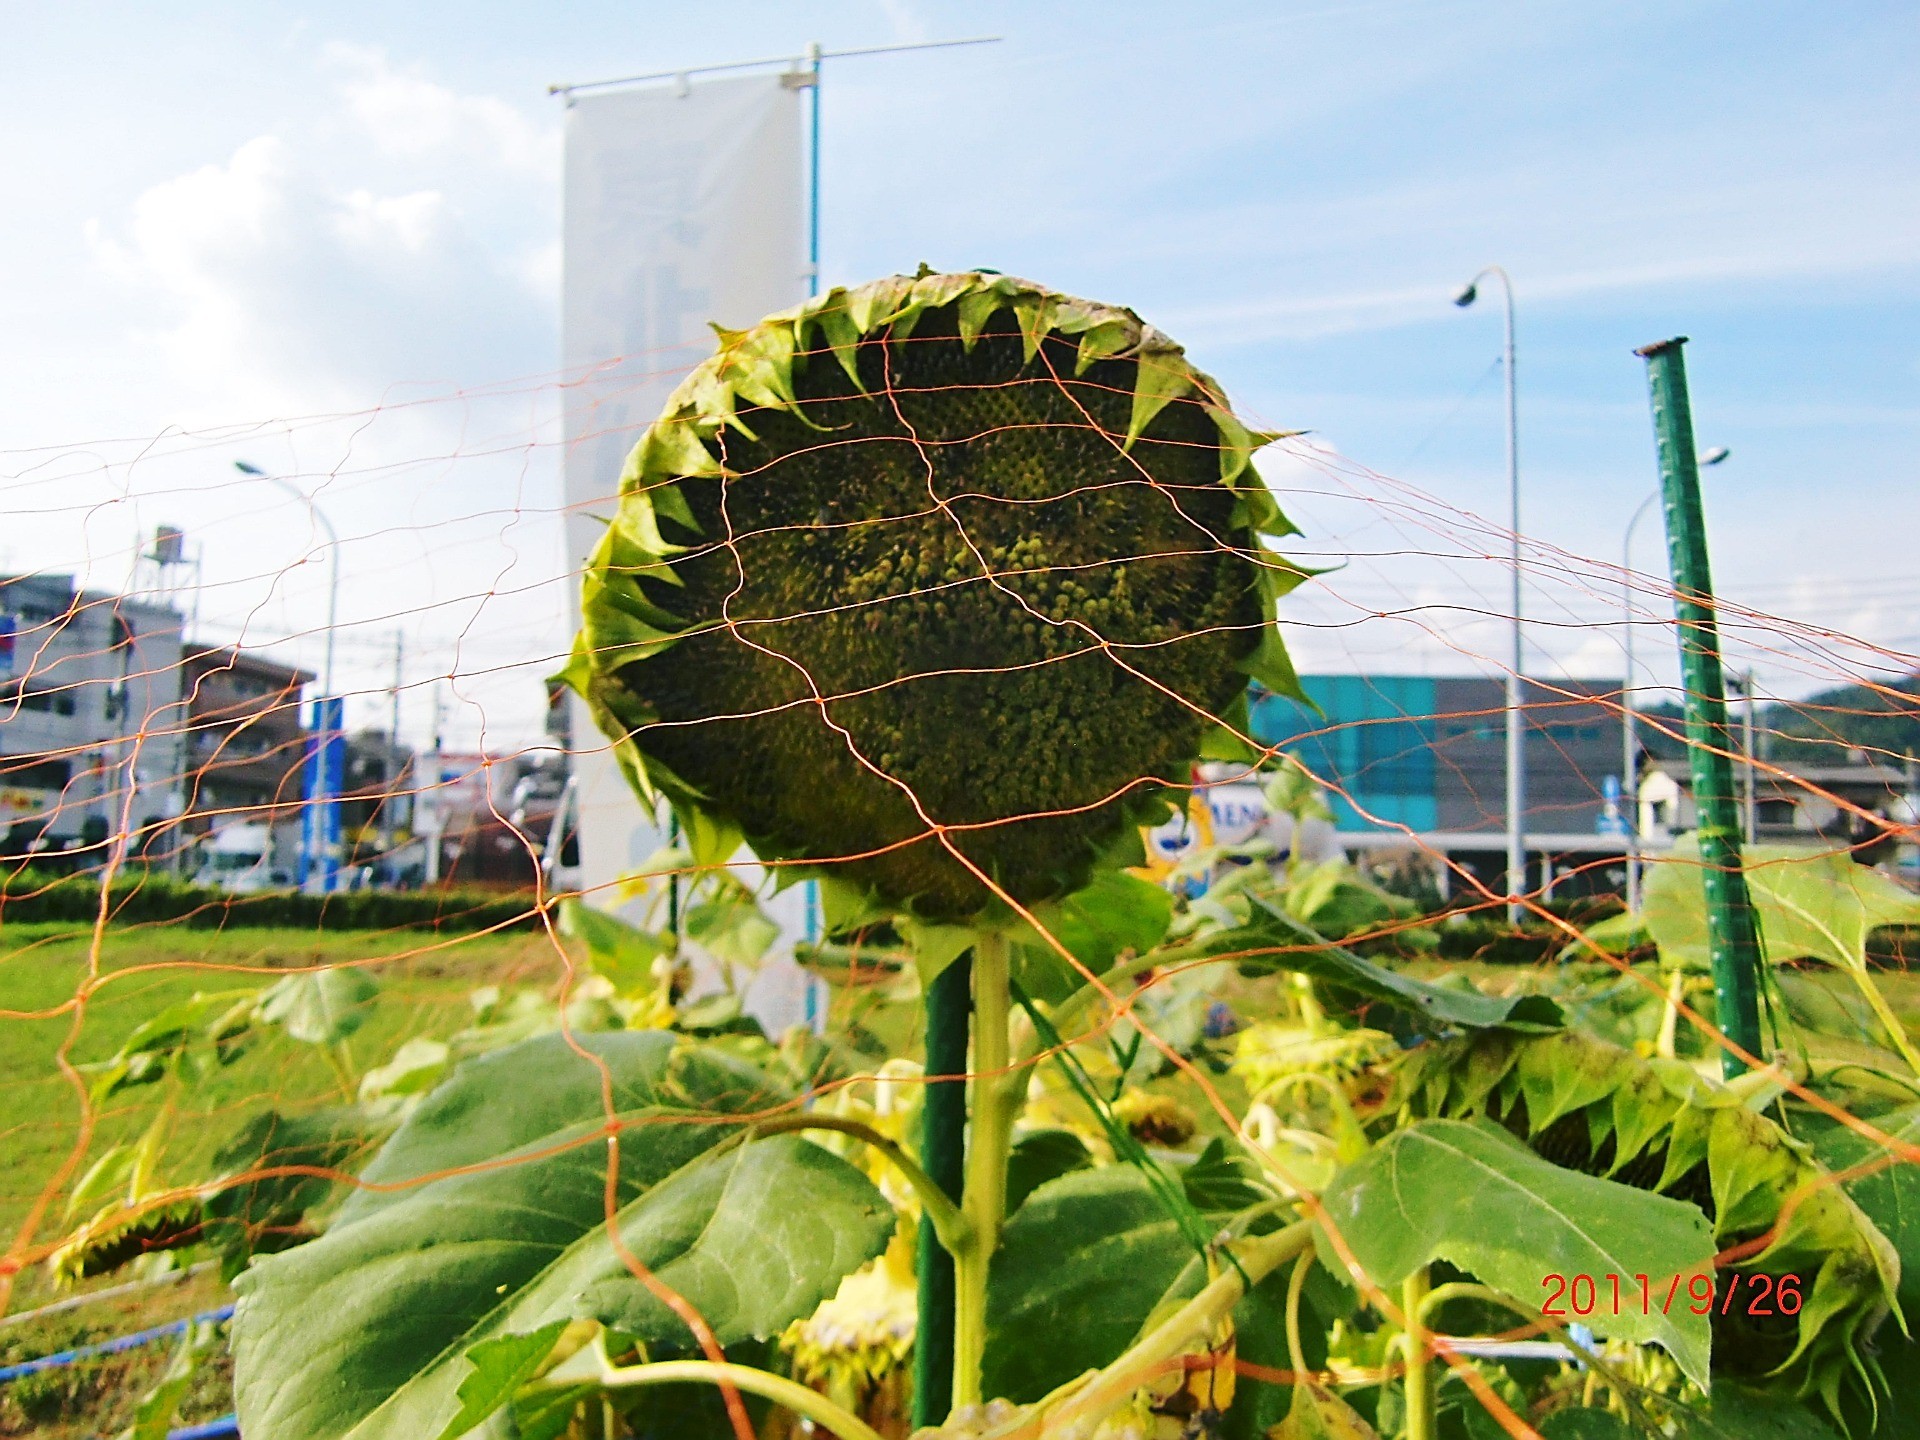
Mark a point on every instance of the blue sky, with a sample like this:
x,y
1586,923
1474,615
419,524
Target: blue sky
x,y
229,216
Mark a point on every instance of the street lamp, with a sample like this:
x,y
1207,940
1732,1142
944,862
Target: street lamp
x,y
1629,749
320,788
1516,718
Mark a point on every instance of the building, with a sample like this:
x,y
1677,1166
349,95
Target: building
x,y
1863,806
376,797
90,716
1419,762
486,818
118,737
243,750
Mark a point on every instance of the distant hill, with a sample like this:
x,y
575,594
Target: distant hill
x,y
1819,730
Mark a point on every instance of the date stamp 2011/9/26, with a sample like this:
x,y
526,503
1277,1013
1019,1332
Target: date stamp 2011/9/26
x,y
1582,1295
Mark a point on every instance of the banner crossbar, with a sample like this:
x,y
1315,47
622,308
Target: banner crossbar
x,y
795,61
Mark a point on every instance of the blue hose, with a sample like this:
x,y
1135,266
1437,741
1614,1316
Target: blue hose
x,y
212,1430
114,1347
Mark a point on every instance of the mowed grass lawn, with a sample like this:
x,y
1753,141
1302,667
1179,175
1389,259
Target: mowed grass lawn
x,y
425,980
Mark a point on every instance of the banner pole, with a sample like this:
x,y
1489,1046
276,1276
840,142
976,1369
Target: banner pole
x,y
1732,932
813,171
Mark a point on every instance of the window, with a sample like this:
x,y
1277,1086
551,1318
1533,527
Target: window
x,y
34,773
51,701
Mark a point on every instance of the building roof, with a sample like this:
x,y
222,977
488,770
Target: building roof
x,y
58,593
202,660
1890,777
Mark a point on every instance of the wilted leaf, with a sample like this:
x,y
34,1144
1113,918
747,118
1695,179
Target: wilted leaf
x,y
1274,940
1890,1196
1319,1414
202,1030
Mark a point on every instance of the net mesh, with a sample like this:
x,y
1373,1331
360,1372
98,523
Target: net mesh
x,y
1078,610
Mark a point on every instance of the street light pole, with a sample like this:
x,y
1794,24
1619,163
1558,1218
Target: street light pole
x,y
1750,806
1516,698
1629,746
321,796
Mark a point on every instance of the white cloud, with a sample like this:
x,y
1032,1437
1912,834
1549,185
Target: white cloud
x,y
408,221
271,282
408,115
360,287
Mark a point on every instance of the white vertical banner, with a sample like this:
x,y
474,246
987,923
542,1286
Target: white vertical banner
x,y
684,204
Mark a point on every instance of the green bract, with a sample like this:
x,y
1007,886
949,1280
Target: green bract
x,y
943,553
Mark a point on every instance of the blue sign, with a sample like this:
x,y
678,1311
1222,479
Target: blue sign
x,y
326,774
1613,817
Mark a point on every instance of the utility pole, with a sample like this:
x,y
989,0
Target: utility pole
x,y
1732,929
399,660
396,767
1751,805
429,803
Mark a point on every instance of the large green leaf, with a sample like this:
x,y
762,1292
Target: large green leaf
x,y
512,1097
1738,1413
364,1332
1272,939
1082,1267
1811,903
1584,1423
320,1007
1115,913
267,1212
623,953
1468,1193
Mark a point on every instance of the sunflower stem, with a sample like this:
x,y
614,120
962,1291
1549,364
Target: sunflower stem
x,y
796,1397
1670,1019
1420,1417
984,1202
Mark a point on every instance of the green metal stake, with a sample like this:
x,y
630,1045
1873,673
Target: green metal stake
x,y
943,1153
1733,936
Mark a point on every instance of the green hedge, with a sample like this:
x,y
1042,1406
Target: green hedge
x,y
31,897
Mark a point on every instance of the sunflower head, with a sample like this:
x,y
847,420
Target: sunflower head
x,y
933,587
